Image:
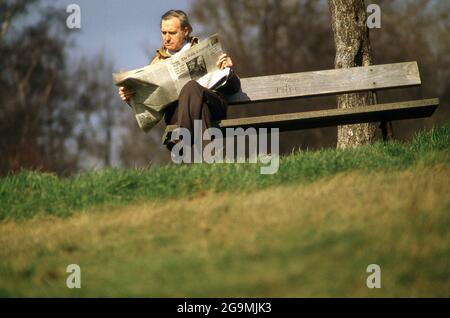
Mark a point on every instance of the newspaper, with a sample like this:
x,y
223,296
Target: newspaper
x,y
160,84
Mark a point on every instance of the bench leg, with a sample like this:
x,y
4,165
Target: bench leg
x,y
385,126
387,130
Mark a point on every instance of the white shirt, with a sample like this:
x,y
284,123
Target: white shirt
x,y
185,47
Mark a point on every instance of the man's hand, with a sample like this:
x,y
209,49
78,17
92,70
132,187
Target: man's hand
x,y
224,61
125,93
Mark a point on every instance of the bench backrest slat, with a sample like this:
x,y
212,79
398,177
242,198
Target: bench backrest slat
x,y
335,81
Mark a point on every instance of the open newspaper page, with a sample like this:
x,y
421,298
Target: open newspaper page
x,y
160,84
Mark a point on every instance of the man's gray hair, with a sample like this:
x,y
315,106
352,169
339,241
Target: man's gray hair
x,y
181,15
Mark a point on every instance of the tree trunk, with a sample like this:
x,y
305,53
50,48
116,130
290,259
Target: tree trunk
x,y
351,38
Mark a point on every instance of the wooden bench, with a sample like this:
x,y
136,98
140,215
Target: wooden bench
x,y
330,82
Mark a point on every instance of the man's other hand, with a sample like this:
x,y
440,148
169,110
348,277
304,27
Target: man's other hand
x,y
125,93
224,61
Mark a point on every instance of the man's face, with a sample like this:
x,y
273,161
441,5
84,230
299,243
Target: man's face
x,y
172,35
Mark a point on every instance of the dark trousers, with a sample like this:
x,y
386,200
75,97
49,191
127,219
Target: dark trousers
x,y
196,103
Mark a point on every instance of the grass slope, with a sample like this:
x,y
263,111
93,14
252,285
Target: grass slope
x,y
310,230
315,239
50,195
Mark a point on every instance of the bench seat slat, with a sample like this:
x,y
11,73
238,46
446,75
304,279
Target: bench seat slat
x,y
335,81
333,117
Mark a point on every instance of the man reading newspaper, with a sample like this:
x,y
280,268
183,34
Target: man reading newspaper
x,y
195,102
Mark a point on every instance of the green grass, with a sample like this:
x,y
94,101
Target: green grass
x,y
228,231
315,239
29,193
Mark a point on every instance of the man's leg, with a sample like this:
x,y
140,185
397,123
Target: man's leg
x,y
199,103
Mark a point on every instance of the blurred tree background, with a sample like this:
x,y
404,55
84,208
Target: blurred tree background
x,y
271,37
51,120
